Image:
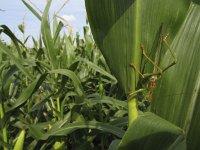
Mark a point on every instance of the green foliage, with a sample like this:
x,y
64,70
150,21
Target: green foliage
x,y
180,93
120,27
116,32
176,97
20,141
60,92
147,129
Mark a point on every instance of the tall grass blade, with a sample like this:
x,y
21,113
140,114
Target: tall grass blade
x,y
57,32
47,38
69,128
32,10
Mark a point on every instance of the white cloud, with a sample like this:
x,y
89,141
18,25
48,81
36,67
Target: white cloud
x,y
69,18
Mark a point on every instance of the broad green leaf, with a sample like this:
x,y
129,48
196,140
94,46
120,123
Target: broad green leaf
x,y
119,27
176,97
156,13
69,128
179,144
116,29
149,132
193,129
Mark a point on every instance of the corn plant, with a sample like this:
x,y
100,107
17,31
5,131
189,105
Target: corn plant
x,y
119,28
60,93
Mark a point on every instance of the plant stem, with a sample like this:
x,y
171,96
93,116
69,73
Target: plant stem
x,y
5,138
132,102
58,104
53,106
28,101
132,111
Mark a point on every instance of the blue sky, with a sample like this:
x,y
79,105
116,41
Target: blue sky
x,y
15,11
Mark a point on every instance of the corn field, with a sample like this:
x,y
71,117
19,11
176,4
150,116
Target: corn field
x,y
132,82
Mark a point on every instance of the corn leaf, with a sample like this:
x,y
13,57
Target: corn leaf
x,y
100,70
119,27
47,38
149,132
57,32
71,127
27,93
9,33
32,10
16,60
76,81
116,29
178,92
95,99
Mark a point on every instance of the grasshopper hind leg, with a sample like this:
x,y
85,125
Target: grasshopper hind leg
x,y
171,52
